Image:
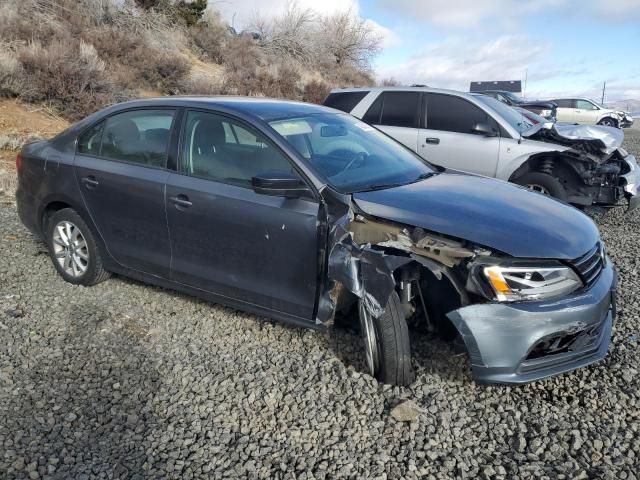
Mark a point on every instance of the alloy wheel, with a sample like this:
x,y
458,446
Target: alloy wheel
x,y
537,188
70,249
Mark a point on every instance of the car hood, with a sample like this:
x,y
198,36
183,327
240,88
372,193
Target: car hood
x,y
487,212
545,104
599,137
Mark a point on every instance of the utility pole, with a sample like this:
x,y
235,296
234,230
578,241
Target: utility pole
x,y
524,90
604,87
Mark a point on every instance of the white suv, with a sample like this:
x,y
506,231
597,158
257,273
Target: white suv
x,y
479,134
586,111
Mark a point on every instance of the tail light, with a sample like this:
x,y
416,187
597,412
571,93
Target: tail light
x,y
19,162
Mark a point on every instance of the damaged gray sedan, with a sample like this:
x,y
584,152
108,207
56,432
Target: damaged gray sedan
x,y
303,214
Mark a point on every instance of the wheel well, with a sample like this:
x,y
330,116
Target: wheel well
x,y
441,296
554,165
49,210
609,118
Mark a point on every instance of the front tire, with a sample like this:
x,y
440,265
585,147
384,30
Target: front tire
x,y
608,122
386,343
543,183
73,249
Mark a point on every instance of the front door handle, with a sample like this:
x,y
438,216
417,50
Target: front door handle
x,y
432,140
90,182
181,201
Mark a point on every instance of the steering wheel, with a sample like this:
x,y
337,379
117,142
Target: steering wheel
x,y
358,157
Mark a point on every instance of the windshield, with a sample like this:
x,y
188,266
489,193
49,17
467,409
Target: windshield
x,y
513,118
352,155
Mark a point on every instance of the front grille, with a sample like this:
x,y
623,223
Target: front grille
x,y
590,265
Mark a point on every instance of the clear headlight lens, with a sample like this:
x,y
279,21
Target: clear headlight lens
x,y
511,284
546,113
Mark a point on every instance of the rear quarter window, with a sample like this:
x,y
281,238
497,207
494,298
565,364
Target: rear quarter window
x,y
564,103
345,101
395,109
89,141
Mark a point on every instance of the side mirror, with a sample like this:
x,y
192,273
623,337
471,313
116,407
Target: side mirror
x,y
484,129
279,184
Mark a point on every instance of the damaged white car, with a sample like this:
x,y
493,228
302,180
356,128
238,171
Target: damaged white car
x,y
581,164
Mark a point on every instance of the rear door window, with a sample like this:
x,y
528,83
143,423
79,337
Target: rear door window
x,y
449,113
345,101
564,103
138,136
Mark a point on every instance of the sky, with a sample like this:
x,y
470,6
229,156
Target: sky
x,y
562,47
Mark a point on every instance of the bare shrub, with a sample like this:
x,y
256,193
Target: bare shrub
x,y
315,91
159,69
210,37
346,75
70,77
15,142
291,34
10,74
202,85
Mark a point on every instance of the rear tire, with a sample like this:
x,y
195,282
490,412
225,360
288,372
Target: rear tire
x,y
608,122
386,343
543,183
73,249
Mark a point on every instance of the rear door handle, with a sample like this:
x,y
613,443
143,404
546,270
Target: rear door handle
x,y
181,201
432,140
90,181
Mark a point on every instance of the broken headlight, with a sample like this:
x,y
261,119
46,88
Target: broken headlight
x,y
518,283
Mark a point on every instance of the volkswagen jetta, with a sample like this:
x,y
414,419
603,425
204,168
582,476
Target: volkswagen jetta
x,y
301,213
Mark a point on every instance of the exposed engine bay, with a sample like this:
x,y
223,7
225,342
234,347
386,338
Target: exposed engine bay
x,y
594,170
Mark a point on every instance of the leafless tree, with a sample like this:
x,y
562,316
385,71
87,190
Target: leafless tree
x,y
290,34
349,39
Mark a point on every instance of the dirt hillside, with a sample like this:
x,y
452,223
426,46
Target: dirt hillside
x,y
18,122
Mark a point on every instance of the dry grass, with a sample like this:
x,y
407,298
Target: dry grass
x,y
77,56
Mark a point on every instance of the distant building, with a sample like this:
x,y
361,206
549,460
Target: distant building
x,y
514,86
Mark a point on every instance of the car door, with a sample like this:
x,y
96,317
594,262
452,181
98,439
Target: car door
x,y
120,169
585,112
566,110
397,113
448,139
229,240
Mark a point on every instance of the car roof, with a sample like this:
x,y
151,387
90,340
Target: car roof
x,y
266,109
399,89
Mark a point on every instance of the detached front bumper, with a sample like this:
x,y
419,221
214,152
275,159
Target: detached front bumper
x,y
515,343
632,182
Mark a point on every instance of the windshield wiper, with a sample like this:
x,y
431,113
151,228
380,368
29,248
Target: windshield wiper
x,y
384,186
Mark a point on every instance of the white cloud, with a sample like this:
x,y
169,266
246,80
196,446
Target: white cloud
x,y
388,36
240,13
462,14
456,62
616,9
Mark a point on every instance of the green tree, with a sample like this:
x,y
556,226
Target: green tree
x,y
190,11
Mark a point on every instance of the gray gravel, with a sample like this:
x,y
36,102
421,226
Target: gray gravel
x,y
123,380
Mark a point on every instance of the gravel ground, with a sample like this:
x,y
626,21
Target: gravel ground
x,y
123,380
